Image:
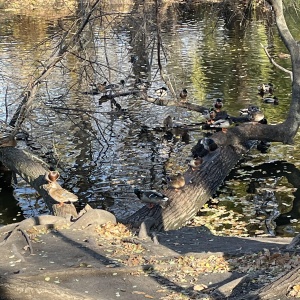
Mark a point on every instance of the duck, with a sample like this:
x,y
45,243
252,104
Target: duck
x,y
266,88
183,95
282,55
218,104
101,87
222,124
256,116
250,109
212,116
141,84
161,92
176,181
56,192
151,197
7,140
52,176
115,86
209,144
272,100
195,163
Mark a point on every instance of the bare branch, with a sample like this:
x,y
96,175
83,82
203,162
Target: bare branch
x,y
276,64
32,87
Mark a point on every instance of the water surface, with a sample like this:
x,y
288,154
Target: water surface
x,y
102,153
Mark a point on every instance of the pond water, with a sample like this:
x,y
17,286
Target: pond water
x,y
103,153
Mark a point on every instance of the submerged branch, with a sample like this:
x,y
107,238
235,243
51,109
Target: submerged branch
x,y
276,64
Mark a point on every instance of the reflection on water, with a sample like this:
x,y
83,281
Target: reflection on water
x,y
266,194
102,149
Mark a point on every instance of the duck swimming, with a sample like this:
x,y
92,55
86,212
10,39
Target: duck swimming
x,y
272,100
161,92
115,86
265,88
183,95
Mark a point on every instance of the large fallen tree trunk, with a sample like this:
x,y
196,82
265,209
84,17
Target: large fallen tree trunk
x,y
203,182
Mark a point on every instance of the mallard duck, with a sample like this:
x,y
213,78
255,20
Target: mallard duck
x,y
263,146
161,92
52,176
195,163
142,84
151,197
256,116
222,124
250,109
266,88
56,192
101,87
218,104
209,144
282,55
176,181
272,100
7,140
183,94
198,150
115,86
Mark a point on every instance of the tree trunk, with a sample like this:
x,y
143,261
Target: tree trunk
x,y
281,288
200,185
33,172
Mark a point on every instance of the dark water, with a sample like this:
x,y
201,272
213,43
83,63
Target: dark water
x,y
102,154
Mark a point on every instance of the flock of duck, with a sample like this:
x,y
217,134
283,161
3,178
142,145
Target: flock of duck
x,y
216,119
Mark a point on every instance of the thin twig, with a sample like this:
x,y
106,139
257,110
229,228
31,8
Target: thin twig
x,y
276,64
167,82
60,52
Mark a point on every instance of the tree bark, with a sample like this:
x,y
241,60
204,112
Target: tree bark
x,y
200,185
278,288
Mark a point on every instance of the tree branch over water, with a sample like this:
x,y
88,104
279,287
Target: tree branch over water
x,y
62,50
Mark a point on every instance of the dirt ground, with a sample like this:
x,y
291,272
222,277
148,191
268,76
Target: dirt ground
x,y
111,262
